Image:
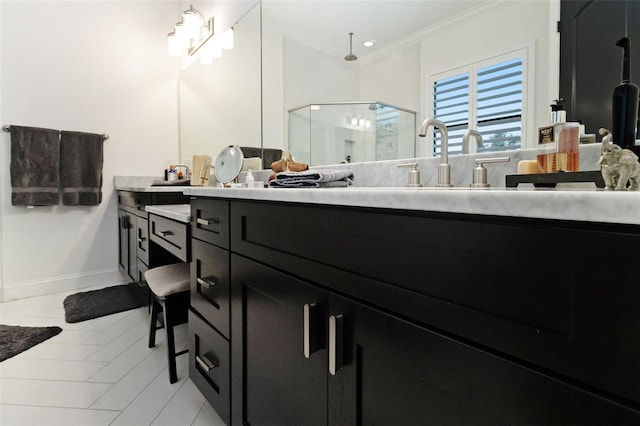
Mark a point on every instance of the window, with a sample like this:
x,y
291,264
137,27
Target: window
x,y
487,97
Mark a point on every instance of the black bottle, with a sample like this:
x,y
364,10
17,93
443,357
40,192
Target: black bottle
x,y
625,103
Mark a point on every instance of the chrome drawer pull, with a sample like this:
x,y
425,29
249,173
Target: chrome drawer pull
x,y
308,329
205,363
336,361
205,283
165,233
205,222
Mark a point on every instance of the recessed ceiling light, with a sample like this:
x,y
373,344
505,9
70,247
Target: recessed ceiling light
x,y
368,43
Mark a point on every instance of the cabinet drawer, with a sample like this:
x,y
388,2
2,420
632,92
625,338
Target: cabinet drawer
x,y
142,238
171,235
209,367
210,221
134,200
210,288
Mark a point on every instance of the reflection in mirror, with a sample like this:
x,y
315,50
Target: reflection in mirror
x,y
220,103
305,43
348,132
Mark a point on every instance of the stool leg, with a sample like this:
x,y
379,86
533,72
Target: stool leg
x,y
171,346
155,307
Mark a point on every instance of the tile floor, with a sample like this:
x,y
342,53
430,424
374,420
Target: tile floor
x,y
96,372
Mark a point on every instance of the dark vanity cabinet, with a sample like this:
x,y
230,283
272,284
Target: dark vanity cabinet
x,y
209,314
136,252
349,316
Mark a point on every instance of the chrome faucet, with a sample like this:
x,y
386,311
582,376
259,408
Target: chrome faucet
x,y
444,169
465,140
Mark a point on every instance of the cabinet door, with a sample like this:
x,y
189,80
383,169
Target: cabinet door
x,y
272,375
123,238
142,240
132,227
128,243
395,372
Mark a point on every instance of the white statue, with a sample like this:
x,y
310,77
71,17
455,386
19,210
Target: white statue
x,y
618,166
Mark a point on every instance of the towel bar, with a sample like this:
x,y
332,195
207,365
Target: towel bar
x,y
8,129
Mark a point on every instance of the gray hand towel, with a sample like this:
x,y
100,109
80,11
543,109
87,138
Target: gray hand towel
x,y
81,168
313,179
35,166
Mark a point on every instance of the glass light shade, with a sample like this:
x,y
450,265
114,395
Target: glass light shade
x,y
181,36
191,23
227,39
173,46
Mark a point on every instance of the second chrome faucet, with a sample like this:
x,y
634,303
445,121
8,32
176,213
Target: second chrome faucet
x,y
444,169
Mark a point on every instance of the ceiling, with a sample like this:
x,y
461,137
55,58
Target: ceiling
x,y
326,24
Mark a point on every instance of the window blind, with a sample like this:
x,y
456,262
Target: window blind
x,y
494,110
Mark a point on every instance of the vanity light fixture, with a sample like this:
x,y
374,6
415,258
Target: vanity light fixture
x,y
190,34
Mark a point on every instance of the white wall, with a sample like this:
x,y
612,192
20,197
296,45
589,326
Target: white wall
x,y
94,66
393,78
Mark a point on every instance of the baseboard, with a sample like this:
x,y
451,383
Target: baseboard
x,y
62,283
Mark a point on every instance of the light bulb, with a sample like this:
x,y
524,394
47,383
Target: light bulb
x,y
227,39
192,24
181,36
173,46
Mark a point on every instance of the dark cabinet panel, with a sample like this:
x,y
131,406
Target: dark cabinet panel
x,y
210,221
171,235
274,383
211,285
210,365
398,373
539,286
123,240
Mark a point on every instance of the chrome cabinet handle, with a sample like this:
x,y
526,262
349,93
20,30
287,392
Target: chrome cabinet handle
x,y
141,239
205,282
205,363
336,360
309,327
205,222
165,233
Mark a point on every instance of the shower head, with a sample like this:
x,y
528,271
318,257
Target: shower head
x,y
350,56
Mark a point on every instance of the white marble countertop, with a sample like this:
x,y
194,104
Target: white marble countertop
x,y
179,212
591,206
143,184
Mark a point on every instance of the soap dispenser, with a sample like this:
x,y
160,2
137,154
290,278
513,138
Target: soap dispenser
x,y
249,179
625,102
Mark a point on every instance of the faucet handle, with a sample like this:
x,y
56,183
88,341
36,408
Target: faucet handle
x,y
414,175
480,173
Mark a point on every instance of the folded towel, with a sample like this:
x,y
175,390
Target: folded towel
x,y
313,179
35,166
81,168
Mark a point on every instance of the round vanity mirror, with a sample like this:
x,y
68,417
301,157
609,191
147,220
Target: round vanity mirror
x,y
228,163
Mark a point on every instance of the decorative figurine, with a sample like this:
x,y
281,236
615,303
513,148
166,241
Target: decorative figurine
x,y
618,166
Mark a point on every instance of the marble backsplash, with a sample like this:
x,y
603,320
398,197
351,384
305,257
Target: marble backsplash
x,y
388,174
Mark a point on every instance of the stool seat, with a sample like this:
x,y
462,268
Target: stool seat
x,y
168,279
171,289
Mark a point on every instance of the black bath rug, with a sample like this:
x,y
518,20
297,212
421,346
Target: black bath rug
x,y
98,303
15,339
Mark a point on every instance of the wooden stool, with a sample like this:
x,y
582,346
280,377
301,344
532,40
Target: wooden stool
x,y
170,287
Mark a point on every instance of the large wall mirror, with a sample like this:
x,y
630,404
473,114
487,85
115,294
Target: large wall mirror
x,y
303,44
220,102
